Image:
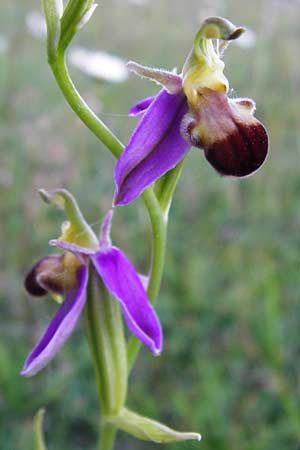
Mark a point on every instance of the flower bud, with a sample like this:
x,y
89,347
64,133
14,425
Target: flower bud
x,y
76,14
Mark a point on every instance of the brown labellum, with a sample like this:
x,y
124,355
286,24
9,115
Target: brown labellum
x,y
235,143
55,273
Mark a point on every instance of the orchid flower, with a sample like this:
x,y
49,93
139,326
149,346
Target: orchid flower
x,y
191,109
67,275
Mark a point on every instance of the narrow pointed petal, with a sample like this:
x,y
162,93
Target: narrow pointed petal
x,y
122,280
74,248
140,107
235,143
104,238
170,81
59,329
155,147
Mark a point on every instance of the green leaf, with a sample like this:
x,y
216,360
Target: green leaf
x,y
39,443
147,429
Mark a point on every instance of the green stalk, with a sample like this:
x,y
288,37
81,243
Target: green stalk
x,y
159,238
80,107
108,348
166,185
158,208
107,436
158,217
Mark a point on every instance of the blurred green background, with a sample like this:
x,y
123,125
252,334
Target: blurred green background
x,y
230,299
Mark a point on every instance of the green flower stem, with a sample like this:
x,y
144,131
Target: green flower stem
x,y
107,436
159,237
166,185
107,343
79,106
158,219
158,208
108,348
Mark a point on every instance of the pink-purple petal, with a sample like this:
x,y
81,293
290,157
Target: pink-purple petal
x,y
59,329
123,282
155,147
74,248
170,81
140,107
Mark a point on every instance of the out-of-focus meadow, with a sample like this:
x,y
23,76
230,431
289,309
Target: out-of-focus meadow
x,y
230,299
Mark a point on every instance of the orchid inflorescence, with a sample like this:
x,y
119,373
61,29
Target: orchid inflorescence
x,y
192,109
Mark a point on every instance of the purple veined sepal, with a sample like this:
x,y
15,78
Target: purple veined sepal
x,y
235,143
60,328
155,147
123,282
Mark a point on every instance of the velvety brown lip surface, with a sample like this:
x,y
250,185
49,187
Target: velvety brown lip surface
x,y
31,281
235,143
241,153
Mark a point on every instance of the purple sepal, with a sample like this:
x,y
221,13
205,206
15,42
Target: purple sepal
x,y
140,107
155,147
59,329
123,282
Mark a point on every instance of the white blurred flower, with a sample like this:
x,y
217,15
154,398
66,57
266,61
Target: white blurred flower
x,y
246,40
98,64
36,24
3,43
138,2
